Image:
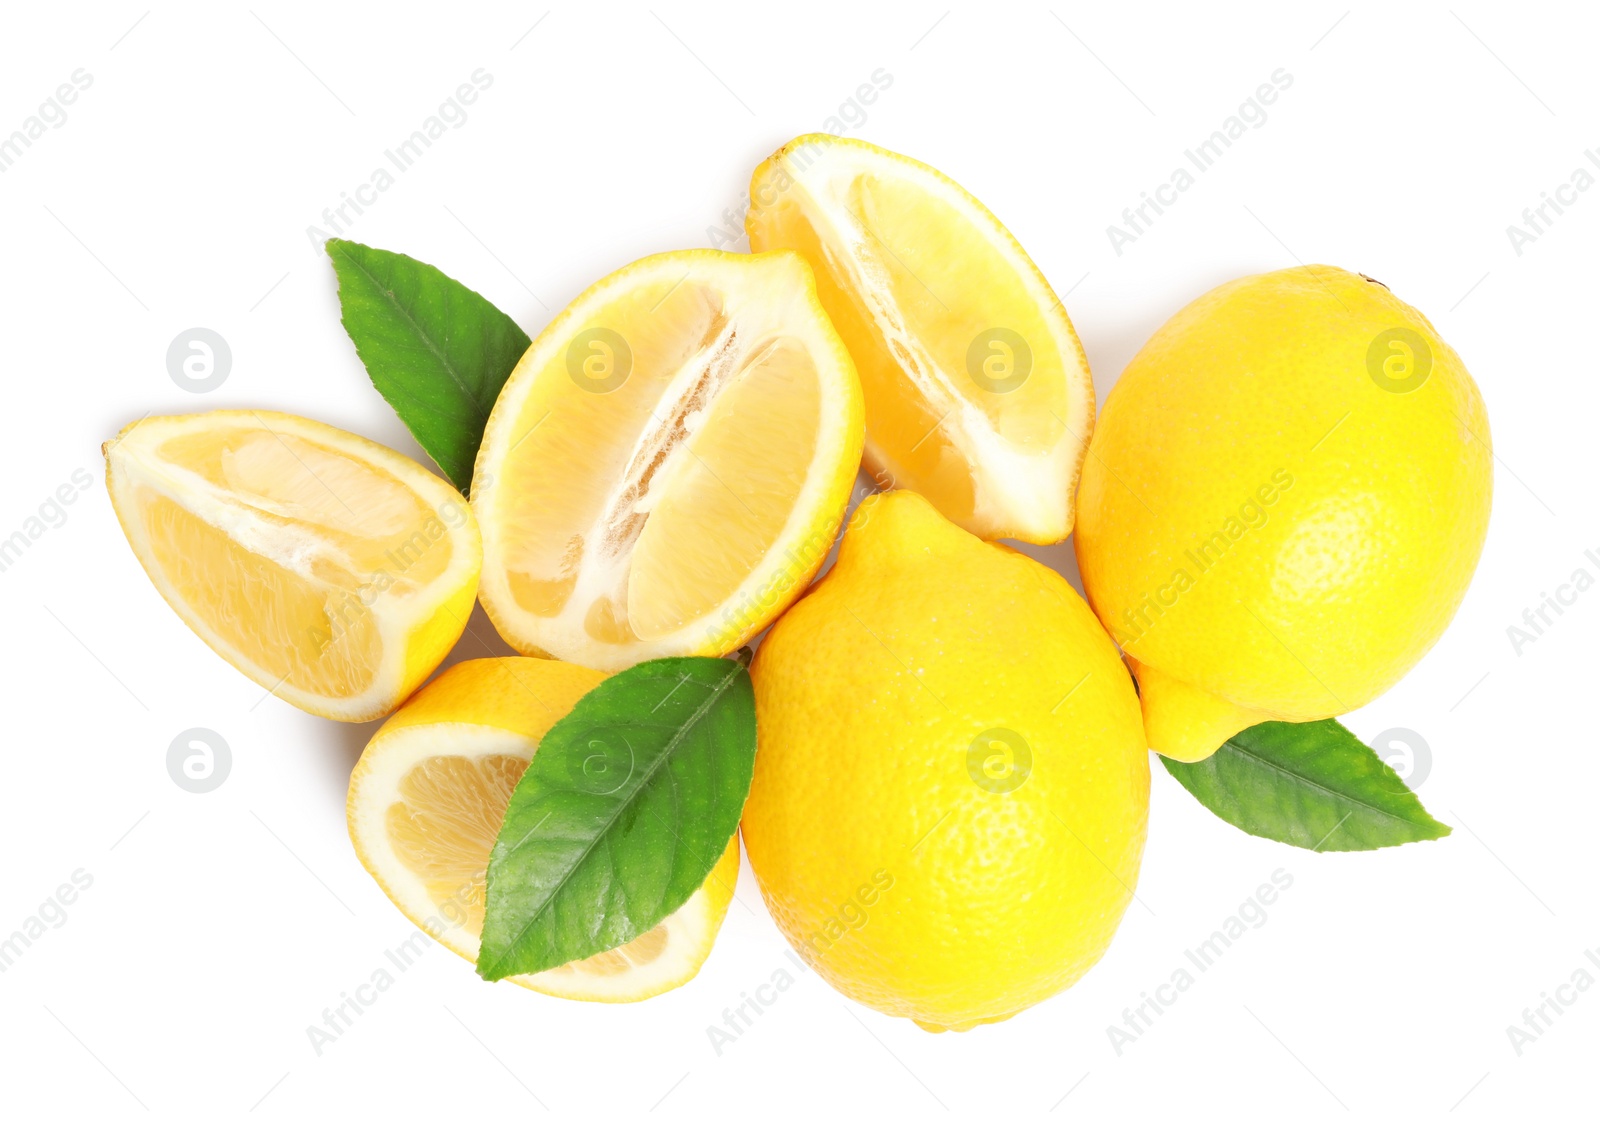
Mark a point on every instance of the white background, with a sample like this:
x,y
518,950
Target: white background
x,y
218,927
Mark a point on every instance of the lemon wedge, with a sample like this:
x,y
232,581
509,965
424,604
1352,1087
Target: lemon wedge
x,y
978,394
427,799
334,572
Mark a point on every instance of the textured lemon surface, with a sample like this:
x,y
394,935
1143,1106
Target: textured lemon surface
x,y
666,467
977,390
951,785
334,572
1285,498
427,799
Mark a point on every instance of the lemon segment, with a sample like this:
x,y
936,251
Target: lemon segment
x,y
977,391
429,794
332,571
666,467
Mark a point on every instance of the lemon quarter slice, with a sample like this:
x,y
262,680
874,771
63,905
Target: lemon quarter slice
x,y
665,469
429,794
334,572
977,391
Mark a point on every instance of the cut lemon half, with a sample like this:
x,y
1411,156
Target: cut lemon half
x,y
977,391
665,469
334,572
427,799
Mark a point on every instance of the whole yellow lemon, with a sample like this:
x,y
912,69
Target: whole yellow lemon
x,y
1284,500
951,784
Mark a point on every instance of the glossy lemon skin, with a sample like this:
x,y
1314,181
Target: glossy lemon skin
x,y
1284,500
951,785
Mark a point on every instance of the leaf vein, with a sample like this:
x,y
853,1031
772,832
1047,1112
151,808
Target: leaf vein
x,y
603,832
1333,793
387,293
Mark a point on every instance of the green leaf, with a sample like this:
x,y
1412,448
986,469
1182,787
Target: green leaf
x,y
622,813
437,351
1311,784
